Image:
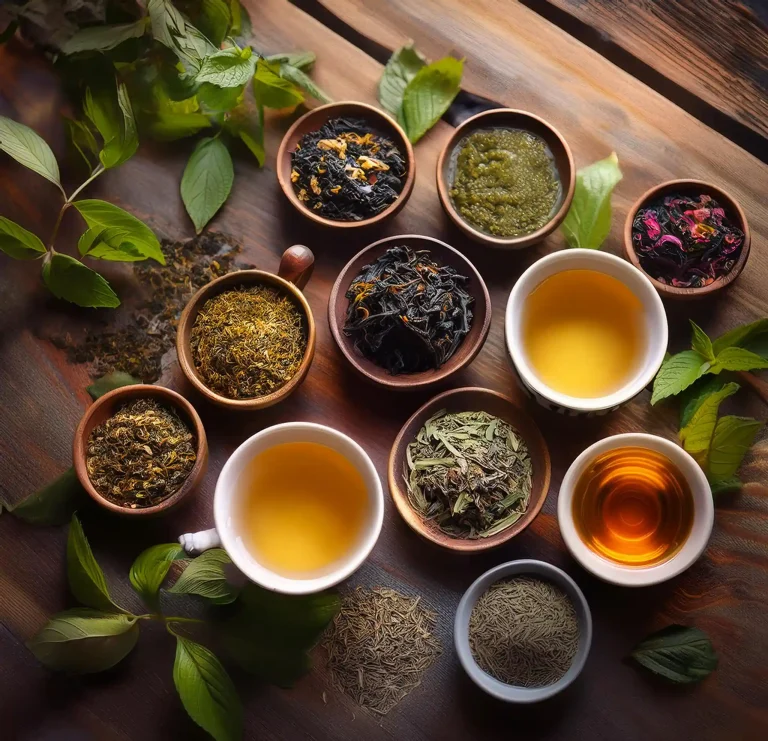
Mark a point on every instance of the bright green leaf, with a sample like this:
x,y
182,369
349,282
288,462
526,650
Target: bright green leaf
x,y
680,654
429,95
304,60
18,243
732,439
110,382
108,244
677,373
228,67
54,504
217,98
83,140
400,69
150,569
304,82
171,29
28,149
692,398
72,281
109,108
696,436
741,336
738,359
206,576
207,181
214,20
102,38
273,91
725,486
255,144
171,126
701,343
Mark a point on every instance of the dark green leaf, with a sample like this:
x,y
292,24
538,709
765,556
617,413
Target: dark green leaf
x,y
54,504
109,108
206,577
228,67
69,279
18,243
241,21
28,149
255,144
273,91
110,382
677,653
214,20
171,126
102,38
83,141
150,569
692,398
9,31
741,336
429,95
701,342
399,71
304,82
696,436
725,486
217,98
677,373
206,691
171,29
109,244
738,359
84,641
732,438
207,181
304,60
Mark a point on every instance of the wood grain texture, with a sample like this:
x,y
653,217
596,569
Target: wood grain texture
x,y
521,60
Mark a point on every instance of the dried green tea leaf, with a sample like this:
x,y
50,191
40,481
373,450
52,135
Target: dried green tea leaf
x,y
680,654
19,243
72,281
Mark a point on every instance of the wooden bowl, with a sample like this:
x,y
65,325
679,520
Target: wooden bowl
x,y
443,254
295,270
104,408
312,121
509,118
734,213
465,400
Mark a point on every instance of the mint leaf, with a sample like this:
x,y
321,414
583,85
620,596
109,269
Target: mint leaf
x,y
731,440
18,243
429,95
677,373
207,181
741,336
110,382
304,82
588,221
109,109
206,691
171,126
84,641
303,60
696,436
54,504
219,99
692,398
738,359
171,29
725,486
108,244
701,342
150,569
29,149
273,91
680,654
100,215
228,67
103,38
400,69
206,577
69,279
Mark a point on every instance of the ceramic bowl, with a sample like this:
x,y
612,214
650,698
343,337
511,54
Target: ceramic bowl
x,y
639,576
108,405
487,683
733,211
295,271
469,400
312,121
441,253
508,118
656,331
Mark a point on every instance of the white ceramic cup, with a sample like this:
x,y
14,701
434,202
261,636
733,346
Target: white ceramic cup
x,y
639,576
227,533
656,332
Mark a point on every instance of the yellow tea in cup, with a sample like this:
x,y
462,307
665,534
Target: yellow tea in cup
x,y
583,333
303,507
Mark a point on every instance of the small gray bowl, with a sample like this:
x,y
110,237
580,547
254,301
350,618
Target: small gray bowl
x,y
507,692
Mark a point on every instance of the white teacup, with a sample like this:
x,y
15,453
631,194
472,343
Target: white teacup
x,y
227,534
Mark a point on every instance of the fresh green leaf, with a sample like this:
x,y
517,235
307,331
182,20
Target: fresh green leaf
x,y
228,67
69,279
83,141
677,653
84,641
220,98
101,215
111,113
677,373
103,38
28,149
741,336
18,243
206,691
86,579
400,69
588,221
110,382
732,438
304,82
271,90
429,95
725,486
304,60
108,244
54,504
214,19
701,342
171,29
696,436
206,577
207,181
171,126
693,397
241,21
738,359
150,569
255,144
250,130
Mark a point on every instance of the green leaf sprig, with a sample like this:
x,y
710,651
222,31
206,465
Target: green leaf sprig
x,y
677,653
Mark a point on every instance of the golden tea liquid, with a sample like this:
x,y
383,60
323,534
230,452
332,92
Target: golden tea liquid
x,y
633,506
303,508
583,332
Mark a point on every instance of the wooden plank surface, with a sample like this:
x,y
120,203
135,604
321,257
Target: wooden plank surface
x,y
519,59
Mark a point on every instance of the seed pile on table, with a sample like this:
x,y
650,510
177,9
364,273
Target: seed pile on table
x,y
379,646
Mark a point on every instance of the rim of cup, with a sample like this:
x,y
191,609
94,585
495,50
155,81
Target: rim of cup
x,y
639,576
581,259
226,494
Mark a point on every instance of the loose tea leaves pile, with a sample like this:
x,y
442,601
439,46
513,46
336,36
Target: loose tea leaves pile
x,y
141,455
470,473
379,647
524,632
248,342
347,171
406,312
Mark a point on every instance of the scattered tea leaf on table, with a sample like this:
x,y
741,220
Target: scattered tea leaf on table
x,y
677,373
731,440
206,576
207,181
701,342
18,243
400,69
103,38
696,436
54,504
110,382
677,653
72,281
150,569
741,336
273,91
429,95
228,68
29,149
738,359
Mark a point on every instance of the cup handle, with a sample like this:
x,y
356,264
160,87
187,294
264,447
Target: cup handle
x,y
296,265
194,543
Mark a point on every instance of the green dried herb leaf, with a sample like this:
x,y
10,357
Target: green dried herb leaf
x,y
206,577
69,279
18,243
588,221
84,641
103,38
228,68
29,149
150,569
677,373
206,691
271,90
110,382
304,82
738,359
701,342
54,504
732,438
207,181
400,69
429,95
696,436
741,336
680,654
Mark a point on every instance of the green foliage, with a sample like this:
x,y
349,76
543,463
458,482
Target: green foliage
x,y
206,576
69,279
400,69
54,504
110,382
103,38
150,569
207,181
18,243
230,67
271,90
29,149
696,436
678,654
677,373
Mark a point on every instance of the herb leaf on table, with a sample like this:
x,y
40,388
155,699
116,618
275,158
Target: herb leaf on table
x,y
679,654
54,504
696,436
732,438
677,373
400,69
207,181
69,279
29,149
103,38
206,576
150,568
18,243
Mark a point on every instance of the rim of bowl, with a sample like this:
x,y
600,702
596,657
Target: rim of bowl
x,y
639,576
657,341
493,686
366,110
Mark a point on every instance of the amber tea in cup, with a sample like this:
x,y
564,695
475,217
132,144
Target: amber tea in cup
x,y
633,506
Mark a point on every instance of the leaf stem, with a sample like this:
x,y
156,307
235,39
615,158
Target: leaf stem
x,y
56,226
99,169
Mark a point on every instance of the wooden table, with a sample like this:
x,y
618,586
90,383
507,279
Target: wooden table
x,y
520,59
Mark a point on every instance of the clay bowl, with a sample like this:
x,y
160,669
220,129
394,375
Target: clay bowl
x,y
105,407
295,271
312,121
441,253
733,211
463,400
509,118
